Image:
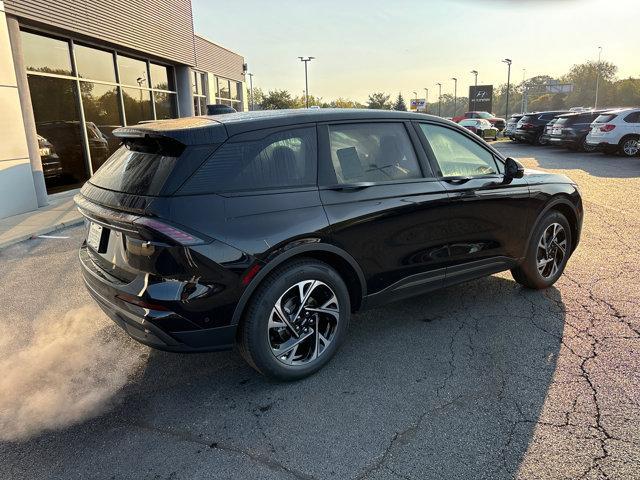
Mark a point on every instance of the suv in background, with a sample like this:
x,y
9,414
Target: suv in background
x,y
497,122
510,127
570,130
616,131
546,133
530,128
268,229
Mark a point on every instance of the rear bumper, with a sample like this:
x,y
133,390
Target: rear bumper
x,y
563,141
526,135
143,324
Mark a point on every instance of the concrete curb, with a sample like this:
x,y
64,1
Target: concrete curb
x,y
40,231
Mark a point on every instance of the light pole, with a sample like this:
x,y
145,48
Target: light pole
x,y
439,96
426,99
250,91
595,104
524,89
455,95
475,73
506,110
306,60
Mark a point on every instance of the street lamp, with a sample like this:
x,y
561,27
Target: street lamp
x,y
250,91
595,104
475,73
426,99
455,95
506,110
524,89
306,60
439,96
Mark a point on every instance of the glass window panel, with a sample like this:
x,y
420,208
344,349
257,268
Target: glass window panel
x,y
137,105
203,105
236,90
458,155
203,84
132,71
45,54
101,106
237,106
160,77
224,90
217,87
195,83
372,152
55,108
165,105
94,64
196,106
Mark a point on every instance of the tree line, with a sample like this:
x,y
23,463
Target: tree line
x,y
612,92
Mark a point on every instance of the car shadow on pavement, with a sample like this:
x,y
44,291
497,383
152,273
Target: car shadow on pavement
x,y
596,164
448,385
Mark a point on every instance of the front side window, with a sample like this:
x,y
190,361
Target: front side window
x,y
281,160
633,117
458,155
372,152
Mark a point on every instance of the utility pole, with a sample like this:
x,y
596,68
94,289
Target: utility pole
x,y
475,73
524,89
250,91
455,96
439,96
506,110
426,99
306,60
595,104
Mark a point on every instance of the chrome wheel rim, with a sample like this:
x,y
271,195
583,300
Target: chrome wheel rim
x,y
303,322
552,248
631,147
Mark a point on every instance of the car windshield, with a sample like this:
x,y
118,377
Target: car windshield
x,y
484,115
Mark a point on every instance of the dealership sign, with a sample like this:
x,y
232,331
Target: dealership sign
x,y
480,98
418,105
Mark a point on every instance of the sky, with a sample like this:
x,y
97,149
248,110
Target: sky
x,y
365,46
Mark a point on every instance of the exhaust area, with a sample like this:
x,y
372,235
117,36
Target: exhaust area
x,y
67,369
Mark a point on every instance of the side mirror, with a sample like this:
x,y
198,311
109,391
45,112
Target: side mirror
x,y
512,169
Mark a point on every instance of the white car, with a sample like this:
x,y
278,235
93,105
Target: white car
x,y
617,131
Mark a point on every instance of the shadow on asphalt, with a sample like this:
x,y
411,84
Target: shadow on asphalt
x,y
448,383
596,164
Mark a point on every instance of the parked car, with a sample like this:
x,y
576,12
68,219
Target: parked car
x,y
510,128
480,127
546,132
51,164
269,229
497,122
530,128
570,130
616,131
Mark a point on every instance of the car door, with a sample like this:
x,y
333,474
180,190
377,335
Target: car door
x,y
488,218
383,205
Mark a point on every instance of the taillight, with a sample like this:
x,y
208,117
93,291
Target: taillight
x,y
607,128
526,125
175,234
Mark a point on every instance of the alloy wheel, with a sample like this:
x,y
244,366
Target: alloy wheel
x,y
631,147
552,249
303,322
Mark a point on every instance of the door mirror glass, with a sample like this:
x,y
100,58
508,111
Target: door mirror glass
x,y
512,169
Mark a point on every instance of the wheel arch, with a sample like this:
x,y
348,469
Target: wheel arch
x,y
335,257
563,205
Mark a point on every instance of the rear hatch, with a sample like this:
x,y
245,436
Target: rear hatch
x,y
602,124
128,203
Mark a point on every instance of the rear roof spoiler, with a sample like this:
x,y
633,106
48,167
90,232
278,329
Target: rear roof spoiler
x,y
188,131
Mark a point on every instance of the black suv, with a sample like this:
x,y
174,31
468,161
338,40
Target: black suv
x,y
571,129
530,128
268,229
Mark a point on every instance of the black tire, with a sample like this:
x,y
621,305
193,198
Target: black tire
x,y
254,340
585,147
527,273
629,146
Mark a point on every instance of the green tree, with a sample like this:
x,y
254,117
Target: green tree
x,y
379,100
345,103
583,78
400,105
278,100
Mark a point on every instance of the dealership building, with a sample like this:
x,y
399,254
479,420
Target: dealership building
x,y
73,71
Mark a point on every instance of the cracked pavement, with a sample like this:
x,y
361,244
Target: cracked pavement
x,y
485,380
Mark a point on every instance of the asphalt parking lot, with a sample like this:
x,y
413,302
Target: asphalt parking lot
x,y
484,380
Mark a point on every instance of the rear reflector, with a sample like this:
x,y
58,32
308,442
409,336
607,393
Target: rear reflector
x,y
175,234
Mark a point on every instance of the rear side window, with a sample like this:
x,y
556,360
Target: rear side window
x,y
604,118
633,117
372,152
285,159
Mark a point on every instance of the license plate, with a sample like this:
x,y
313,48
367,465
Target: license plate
x,y
556,131
95,235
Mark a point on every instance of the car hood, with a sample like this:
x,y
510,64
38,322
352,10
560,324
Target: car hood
x,y
538,176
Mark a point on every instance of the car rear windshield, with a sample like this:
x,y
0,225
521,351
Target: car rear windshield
x,y
527,118
604,118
